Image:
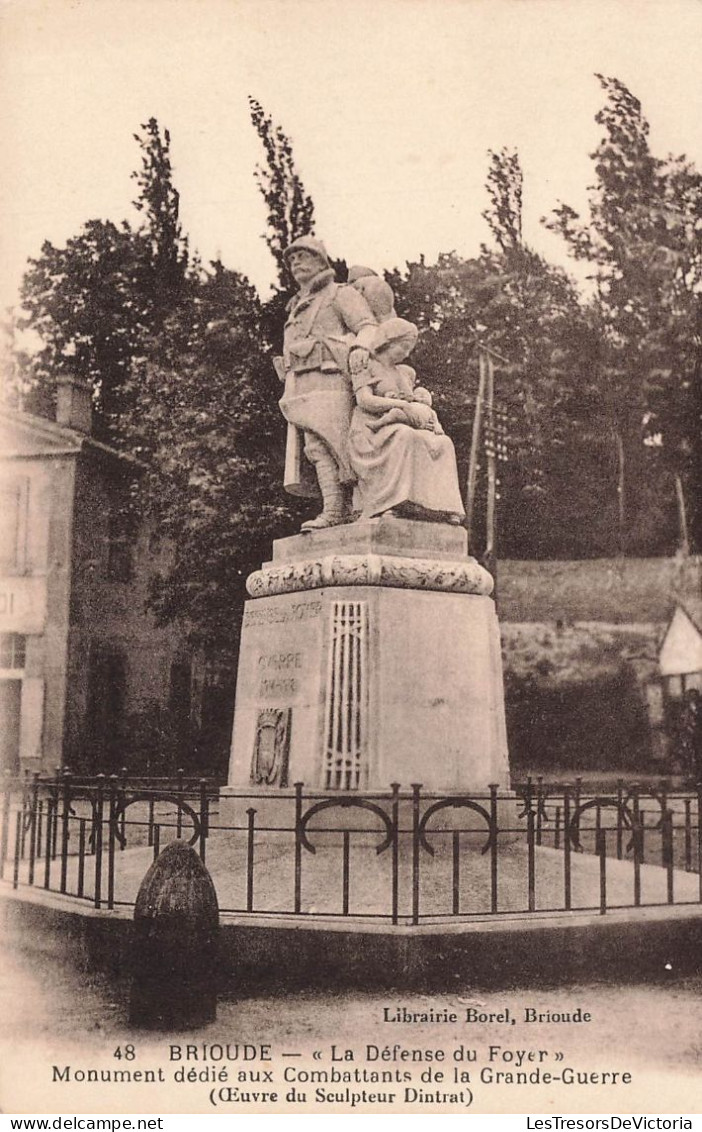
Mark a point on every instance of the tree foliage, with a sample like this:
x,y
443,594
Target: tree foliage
x,y
290,209
529,313
208,430
643,238
178,360
92,303
159,202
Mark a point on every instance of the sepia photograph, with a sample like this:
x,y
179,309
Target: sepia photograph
x,y
351,559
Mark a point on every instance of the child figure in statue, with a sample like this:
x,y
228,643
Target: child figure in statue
x,y
397,448
390,380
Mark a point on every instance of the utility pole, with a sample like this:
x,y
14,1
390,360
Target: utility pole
x,y
495,449
475,442
489,558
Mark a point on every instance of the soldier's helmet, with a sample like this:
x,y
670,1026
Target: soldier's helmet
x,y
308,244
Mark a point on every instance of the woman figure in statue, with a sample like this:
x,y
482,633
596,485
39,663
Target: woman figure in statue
x,y
405,464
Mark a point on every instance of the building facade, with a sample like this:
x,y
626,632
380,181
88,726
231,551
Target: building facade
x,y
87,678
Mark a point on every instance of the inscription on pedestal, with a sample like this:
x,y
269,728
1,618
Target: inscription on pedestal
x,y
298,611
271,666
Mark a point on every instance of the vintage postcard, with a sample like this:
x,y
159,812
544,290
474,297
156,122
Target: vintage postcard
x,y
350,576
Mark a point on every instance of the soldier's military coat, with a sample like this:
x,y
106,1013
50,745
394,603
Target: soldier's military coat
x,y
325,320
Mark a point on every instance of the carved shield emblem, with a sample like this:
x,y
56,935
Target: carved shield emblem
x,y
269,766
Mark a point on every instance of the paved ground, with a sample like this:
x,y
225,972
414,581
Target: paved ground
x,y
55,1015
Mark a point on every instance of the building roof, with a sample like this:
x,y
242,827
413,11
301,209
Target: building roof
x,y
24,434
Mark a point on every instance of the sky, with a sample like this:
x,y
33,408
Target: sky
x,y
391,105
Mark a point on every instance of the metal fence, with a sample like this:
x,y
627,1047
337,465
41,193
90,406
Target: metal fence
x,y
403,856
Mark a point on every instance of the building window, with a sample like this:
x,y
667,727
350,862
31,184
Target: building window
x,y
13,650
14,496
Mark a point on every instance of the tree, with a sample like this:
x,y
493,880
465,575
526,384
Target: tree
x,y
86,303
505,187
290,209
643,238
159,201
529,312
92,303
208,431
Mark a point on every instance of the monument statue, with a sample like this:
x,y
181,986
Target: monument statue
x,y
370,434
370,649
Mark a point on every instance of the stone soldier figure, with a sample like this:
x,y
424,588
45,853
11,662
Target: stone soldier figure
x,y
327,334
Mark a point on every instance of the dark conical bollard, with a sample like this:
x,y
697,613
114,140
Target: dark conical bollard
x,y
175,945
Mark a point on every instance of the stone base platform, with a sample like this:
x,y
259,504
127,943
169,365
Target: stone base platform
x,y
369,656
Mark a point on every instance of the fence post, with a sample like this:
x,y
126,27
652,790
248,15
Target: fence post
x,y
18,848
395,787
56,792
528,794
204,818
65,819
112,807
456,840
298,846
4,835
180,791
688,836
416,790
637,834
531,864
663,799
345,869
601,850
81,856
49,837
539,808
566,848
494,825
98,820
40,827
620,823
251,814
123,775
150,839
668,860
34,818
25,809
699,838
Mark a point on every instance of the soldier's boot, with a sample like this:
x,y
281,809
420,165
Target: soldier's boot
x,y
336,496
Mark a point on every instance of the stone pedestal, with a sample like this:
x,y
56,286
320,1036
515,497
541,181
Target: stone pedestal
x,y
370,654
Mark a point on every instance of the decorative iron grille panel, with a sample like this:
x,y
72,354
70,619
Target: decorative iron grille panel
x,y
346,723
